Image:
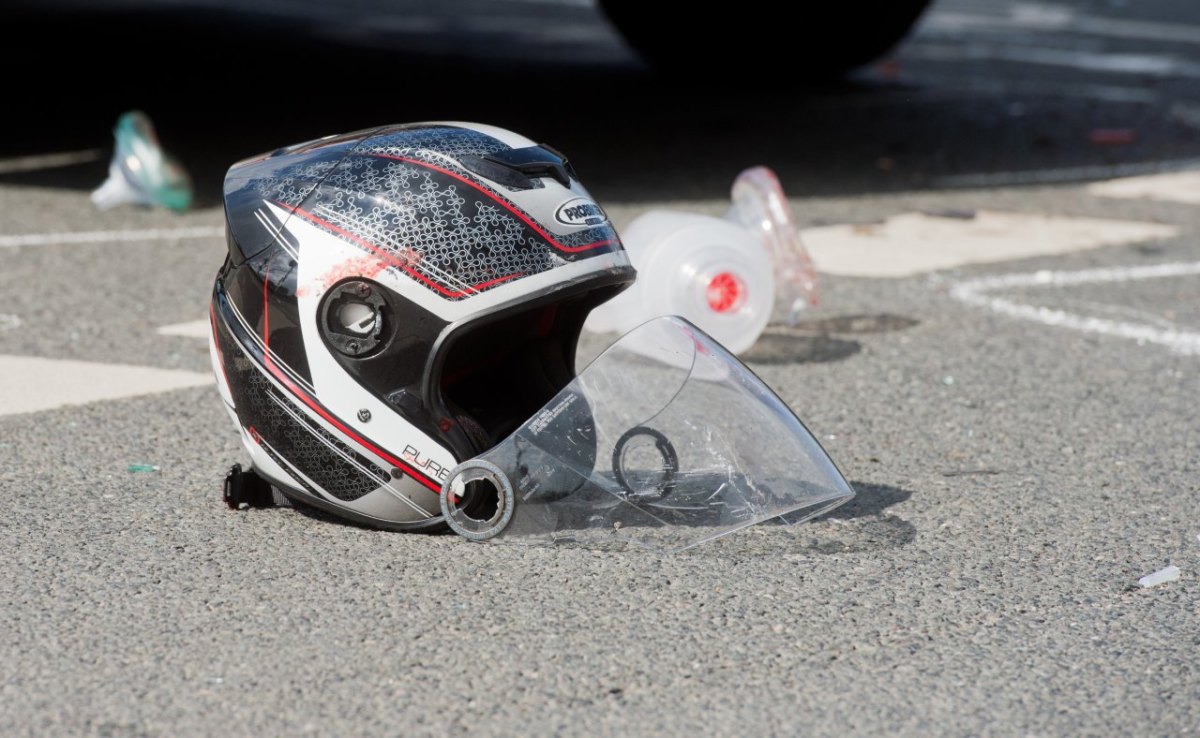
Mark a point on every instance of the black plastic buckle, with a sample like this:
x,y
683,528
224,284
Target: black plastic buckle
x,y
244,489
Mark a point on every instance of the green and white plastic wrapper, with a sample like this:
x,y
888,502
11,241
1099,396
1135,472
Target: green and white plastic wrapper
x,y
665,441
140,172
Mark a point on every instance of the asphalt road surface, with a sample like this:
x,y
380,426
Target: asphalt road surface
x,y
1018,417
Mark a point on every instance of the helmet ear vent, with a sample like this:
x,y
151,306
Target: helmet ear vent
x,y
353,316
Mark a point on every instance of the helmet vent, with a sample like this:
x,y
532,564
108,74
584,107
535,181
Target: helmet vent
x,y
358,318
352,317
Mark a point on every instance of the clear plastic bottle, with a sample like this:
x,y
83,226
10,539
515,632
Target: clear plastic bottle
x,y
723,274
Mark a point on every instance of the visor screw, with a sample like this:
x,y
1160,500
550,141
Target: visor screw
x,y
364,415
364,289
396,473
353,346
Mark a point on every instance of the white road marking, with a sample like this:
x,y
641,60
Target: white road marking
x,y
30,384
1118,311
565,3
191,329
1185,112
1155,65
976,292
955,89
1171,187
1065,174
48,161
1010,88
1059,18
145,234
914,243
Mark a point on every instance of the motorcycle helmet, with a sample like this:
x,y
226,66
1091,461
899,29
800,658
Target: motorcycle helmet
x,y
397,300
394,333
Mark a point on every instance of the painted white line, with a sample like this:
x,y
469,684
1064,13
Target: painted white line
x,y
1154,65
1066,174
1011,88
955,89
30,384
1172,187
145,234
191,329
48,161
914,243
1058,18
564,3
1119,311
975,292
1187,113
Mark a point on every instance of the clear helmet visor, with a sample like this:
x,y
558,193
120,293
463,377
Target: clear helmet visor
x,y
666,440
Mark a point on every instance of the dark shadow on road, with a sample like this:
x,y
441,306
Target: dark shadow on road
x,y
322,516
857,324
777,346
869,499
810,342
861,525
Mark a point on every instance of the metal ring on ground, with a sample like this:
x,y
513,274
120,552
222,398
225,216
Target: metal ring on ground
x,y
477,529
670,458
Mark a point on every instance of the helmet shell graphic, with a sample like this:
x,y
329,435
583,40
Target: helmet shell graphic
x,y
398,300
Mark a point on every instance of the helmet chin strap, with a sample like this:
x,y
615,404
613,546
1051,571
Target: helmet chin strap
x,y
244,489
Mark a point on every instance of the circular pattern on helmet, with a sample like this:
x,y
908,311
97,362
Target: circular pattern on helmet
x,y
477,500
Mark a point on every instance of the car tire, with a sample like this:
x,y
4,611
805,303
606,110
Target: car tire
x,y
839,37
